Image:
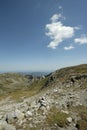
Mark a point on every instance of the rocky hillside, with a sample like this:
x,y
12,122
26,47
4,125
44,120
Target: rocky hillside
x,y
55,102
70,76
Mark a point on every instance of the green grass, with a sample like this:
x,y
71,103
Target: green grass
x,y
31,128
56,117
82,125
27,91
17,86
82,112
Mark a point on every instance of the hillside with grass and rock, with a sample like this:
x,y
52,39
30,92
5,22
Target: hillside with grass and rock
x,y
57,101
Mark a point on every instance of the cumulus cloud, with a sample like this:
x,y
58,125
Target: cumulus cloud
x,y
58,32
81,40
69,48
55,17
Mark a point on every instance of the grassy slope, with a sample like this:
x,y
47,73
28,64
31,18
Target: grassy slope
x,y
67,72
16,85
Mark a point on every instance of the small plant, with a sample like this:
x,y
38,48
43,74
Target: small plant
x,y
56,117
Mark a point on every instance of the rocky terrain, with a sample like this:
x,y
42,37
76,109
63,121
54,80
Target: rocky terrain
x,y
57,101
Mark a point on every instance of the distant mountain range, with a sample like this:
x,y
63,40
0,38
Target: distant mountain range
x,y
35,73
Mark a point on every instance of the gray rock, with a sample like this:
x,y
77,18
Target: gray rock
x,y
5,126
10,117
69,119
19,114
66,112
28,113
14,116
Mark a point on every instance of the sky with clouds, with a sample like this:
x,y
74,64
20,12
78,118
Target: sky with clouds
x,y
42,35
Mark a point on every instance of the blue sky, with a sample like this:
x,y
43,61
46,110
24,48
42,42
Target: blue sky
x,y
42,35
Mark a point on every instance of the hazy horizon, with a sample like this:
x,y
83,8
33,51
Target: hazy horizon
x,y
38,71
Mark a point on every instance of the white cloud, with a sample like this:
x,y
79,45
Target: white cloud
x,y
69,47
57,31
77,28
60,7
81,40
55,17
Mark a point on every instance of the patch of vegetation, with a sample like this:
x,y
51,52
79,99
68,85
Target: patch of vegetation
x,y
82,112
37,85
81,125
56,117
37,127
27,91
65,73
31,128
17,86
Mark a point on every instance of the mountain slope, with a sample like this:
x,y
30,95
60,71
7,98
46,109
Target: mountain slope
x,y
68,75
12,83
57,101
